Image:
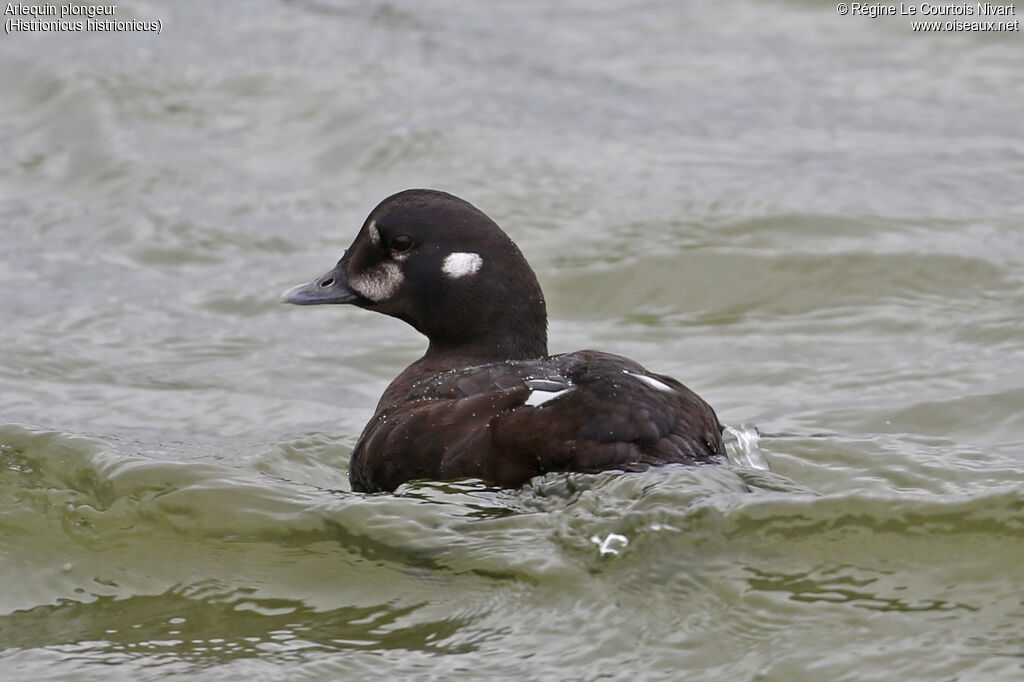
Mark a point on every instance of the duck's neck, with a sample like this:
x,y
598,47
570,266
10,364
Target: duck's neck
x,y
491,345
500,328
442,356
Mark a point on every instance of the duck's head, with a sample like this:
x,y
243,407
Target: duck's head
x,y
440,264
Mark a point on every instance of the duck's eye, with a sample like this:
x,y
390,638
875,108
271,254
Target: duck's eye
x,y
401,242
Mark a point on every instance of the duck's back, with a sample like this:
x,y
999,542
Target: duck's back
x,y
509,421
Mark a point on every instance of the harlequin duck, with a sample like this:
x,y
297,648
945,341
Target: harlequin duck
x,y
486,400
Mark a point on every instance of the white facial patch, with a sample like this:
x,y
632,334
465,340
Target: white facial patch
x,y
371,229
652,382
378,283
460,264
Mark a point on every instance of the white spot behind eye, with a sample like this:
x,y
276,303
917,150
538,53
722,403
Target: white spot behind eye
x,y
652,382
373,232
460,264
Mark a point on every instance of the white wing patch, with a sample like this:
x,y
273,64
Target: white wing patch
x,y
460,264
538,398
652,382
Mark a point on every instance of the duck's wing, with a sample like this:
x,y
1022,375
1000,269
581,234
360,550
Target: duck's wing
x,y
505,423
442,428
616,415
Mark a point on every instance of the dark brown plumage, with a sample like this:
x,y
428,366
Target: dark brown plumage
x,y
485,400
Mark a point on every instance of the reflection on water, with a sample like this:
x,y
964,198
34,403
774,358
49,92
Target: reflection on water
x,y
189,630
835,587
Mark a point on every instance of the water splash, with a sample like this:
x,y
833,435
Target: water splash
x,y
611,544
742,447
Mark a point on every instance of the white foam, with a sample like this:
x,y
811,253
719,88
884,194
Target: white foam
x,y
611,544
460,264
747,450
